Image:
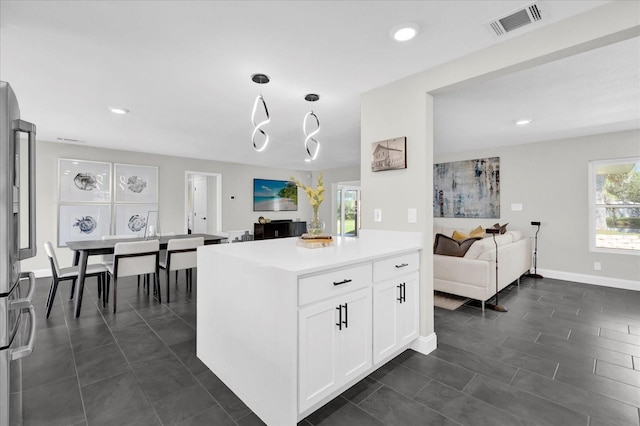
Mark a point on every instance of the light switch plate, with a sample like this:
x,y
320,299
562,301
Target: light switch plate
x,y
412,215
377,215
516,207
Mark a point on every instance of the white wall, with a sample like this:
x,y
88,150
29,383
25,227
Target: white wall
x,y
237,180
405,108
551,180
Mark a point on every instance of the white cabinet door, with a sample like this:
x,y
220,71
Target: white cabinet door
x,y
354,344
317,368
395,315
408,310
334,344
385,318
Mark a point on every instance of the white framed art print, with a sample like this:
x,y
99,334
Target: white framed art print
x,y
135,184
81,222
81,181
131,219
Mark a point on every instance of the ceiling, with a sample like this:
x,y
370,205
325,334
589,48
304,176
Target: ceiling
x,y
183,69
590,93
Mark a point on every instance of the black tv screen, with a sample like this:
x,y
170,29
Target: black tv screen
x,y
274,195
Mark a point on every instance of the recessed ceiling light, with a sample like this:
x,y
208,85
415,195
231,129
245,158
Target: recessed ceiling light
x,y
523,122
405,32
118,110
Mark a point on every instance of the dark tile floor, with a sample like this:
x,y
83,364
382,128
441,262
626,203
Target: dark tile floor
x,y
565,354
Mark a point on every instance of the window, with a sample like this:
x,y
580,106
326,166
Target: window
x,y
614,195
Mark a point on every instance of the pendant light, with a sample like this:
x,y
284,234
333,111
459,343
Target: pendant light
x,y
311,144
257,127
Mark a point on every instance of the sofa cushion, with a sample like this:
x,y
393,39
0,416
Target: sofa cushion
x,y
484,245
477,232
447,246
515,235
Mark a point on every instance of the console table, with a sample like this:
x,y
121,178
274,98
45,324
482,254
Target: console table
x,y
278,229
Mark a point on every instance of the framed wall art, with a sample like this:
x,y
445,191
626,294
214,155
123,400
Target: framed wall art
x,y
78,222
135,184
131,219
274,195
389,154
81,181
469,188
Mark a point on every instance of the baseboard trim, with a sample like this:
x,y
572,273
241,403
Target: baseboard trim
x,y
591,279
425,344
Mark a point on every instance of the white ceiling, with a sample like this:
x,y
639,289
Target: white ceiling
x,y
183,70
590,93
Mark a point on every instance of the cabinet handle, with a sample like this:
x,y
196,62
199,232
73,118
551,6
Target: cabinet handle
x,y
339,323
404,292
399,299
341,282
402,265
346,316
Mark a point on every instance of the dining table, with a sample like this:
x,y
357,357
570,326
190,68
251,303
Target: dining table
x,y
85,248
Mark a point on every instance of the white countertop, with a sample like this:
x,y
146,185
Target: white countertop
x,y
284,254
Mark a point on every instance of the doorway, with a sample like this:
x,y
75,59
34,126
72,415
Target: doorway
x,y
203,203
348,210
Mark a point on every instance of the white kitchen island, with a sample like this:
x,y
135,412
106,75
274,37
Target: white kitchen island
x,y
288,328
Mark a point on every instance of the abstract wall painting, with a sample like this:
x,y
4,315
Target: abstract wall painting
x,y
83,181
131,219
136,184
389,154
81,222
469,188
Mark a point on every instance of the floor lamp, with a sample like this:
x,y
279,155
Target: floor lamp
x,y
496,306
535,254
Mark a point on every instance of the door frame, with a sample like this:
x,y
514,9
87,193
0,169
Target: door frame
x,y
340,186
218,187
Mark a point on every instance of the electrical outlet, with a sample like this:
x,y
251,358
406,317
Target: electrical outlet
x,y
597,266
377,215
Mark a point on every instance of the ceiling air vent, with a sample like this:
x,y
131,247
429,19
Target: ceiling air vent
x,y
516,19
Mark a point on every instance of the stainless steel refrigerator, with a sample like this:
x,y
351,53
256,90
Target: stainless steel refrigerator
x,y
17,242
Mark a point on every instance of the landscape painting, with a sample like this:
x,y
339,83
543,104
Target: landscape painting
x,y
274,195
469,188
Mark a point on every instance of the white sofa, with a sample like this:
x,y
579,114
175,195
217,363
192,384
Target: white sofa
x,y
474,275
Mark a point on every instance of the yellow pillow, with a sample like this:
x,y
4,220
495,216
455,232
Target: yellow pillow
x,y
478,232
459,236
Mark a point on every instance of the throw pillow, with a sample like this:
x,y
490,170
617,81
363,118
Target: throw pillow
x,y
459,236
502,228
478,232
449,247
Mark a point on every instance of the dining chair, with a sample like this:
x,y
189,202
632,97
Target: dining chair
x,y
70,273
181,254
134,258
108,258
163,253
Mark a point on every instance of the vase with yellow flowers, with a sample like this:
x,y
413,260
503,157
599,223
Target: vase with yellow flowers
x,y
316,197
